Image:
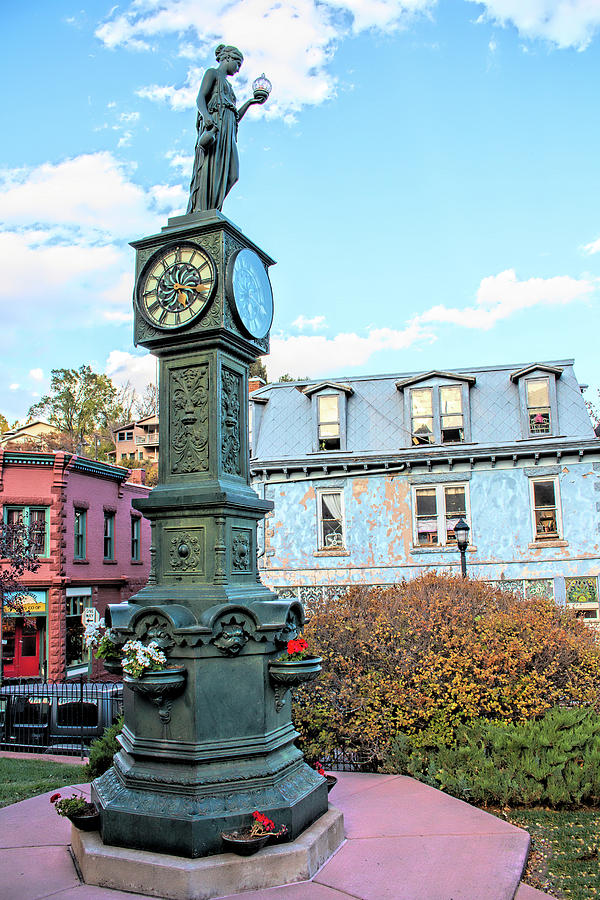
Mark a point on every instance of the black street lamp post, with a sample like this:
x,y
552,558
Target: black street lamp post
x,y
461,530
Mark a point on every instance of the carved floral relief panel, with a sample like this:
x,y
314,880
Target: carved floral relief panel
x,y
241,550
188,403
231,383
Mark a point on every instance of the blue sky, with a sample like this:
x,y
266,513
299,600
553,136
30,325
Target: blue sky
x,y
425,173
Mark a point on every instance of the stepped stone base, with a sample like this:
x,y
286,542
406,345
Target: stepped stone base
x,y
179,878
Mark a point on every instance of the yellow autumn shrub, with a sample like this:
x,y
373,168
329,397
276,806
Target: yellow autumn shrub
x,y
430,655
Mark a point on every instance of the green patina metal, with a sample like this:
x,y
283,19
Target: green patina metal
x,y
204,749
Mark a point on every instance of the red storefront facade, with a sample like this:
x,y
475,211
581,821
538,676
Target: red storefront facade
x,y
94,550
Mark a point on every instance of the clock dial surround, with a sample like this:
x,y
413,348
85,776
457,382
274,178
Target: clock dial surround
x,y
176,285
250,293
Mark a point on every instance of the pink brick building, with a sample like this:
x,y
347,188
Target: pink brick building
x,y
93,550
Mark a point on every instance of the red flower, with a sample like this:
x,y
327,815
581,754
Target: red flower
x,y
54,798
320,769
297,646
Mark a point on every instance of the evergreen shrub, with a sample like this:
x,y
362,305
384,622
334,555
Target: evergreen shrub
x,y
553,761
103,749
429,656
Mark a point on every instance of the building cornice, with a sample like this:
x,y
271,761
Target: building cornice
x,y
408,460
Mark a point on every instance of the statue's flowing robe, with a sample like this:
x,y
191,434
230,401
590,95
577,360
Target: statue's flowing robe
x,y
216,167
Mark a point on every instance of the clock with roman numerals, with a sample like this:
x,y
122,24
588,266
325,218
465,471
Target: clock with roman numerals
x,y
175,285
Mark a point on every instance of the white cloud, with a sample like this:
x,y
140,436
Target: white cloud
x,y
125,367
292,42
92,192
14,387
593,247
37,374
564,23
317,355
500,296
69,223
182,162
301,323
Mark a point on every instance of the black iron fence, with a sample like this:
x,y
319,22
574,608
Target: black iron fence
x,y
350,761
40,717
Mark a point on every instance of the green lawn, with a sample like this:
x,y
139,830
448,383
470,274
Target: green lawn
x,y
564,857
23,778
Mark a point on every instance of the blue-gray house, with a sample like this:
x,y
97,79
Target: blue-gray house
x,y
370,474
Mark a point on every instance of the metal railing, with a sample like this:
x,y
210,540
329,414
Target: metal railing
x,y
40,717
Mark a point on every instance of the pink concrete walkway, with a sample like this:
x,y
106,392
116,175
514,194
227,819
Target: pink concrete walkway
x,y
404,841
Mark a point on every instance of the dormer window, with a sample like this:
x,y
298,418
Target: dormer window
x,y
451,414
537,391
436,404
329,402
421,403
328,421
537,385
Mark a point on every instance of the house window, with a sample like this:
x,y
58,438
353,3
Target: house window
x,y
546,510
80,528
451,414
329,421
538,405
331,520
109,536
437,510
421,408
35,521
135,538
77,655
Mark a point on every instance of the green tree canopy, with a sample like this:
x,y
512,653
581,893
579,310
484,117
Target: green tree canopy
x,y
4,426
80,402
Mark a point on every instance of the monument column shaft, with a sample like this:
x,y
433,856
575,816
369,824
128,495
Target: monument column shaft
x,y
209,739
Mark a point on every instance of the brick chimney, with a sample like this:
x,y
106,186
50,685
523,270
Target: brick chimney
x,y
137,476
254,382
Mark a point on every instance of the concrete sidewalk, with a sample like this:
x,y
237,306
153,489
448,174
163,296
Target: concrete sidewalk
x,y
404,841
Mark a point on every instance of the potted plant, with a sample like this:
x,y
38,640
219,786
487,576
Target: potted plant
x,y
147,673
102,642
294,667
246,841
331,779
78,810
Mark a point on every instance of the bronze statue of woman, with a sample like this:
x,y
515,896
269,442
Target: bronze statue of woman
x,y
216,162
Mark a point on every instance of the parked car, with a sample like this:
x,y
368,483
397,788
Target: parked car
x,y
56,718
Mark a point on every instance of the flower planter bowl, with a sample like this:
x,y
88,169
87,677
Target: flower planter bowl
x,y
289,673
292,672
331,782
113,666
160,682
159,686
89,822
242,843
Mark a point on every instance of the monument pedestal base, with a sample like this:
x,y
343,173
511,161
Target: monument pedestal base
x,y
178,878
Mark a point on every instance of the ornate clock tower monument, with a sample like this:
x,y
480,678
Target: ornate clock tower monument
x,y
209,739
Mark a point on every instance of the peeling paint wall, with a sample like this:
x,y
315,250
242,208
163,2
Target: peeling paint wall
x,y
379,527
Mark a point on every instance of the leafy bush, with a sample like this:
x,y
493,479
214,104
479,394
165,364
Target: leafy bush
x,y
431,655
553,761
103,750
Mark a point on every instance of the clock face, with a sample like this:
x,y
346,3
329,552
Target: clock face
x,y
250,290
175,285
